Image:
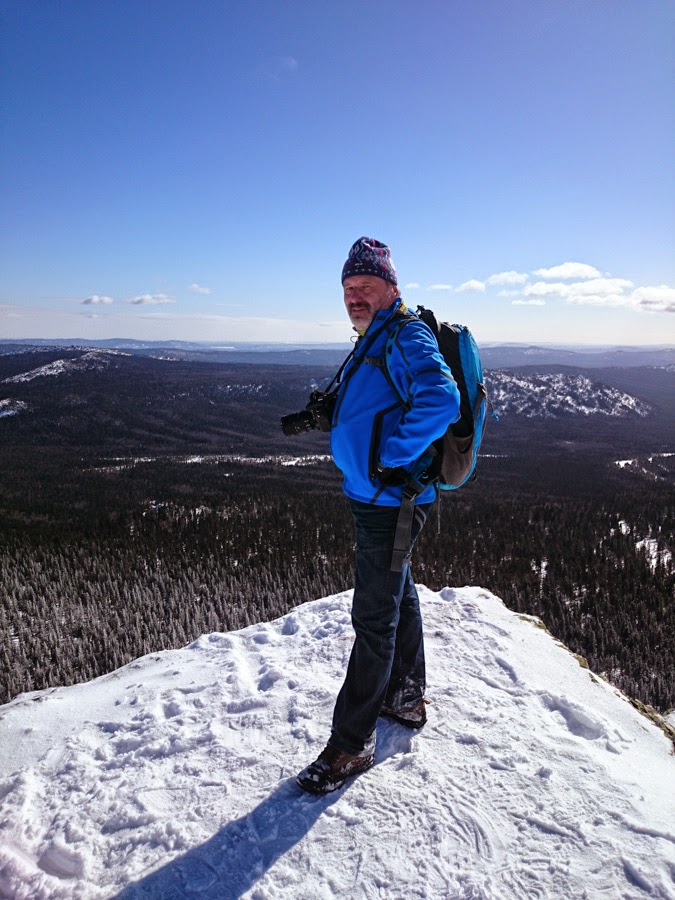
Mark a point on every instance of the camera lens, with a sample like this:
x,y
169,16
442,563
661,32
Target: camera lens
x,y
297,423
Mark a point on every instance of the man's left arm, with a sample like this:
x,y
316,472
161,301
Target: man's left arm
x,y
423,378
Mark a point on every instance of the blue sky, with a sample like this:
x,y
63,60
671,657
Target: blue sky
x,y
198,170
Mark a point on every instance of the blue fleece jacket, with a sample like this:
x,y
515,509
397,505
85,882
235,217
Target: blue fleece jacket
x,y
371,426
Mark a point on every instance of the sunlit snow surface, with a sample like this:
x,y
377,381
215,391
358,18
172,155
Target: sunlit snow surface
x,y
121,463
555,394
174,776
11,407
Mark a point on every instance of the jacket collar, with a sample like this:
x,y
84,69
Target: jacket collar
x,y
382,315
377,326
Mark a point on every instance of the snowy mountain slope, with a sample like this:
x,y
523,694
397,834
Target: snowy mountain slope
x,y
539,394
174,776
549,395
93,360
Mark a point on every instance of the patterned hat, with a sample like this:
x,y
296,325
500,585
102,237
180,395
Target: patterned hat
x,y
369,257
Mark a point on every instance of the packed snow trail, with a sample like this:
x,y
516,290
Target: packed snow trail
x,y
174,776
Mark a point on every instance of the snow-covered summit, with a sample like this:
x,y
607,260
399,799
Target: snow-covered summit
x,y
174,776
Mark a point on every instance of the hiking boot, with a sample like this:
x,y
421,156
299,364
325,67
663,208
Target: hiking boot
x,y
410,716
332,768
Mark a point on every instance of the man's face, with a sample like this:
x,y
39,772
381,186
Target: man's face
x,y
364,296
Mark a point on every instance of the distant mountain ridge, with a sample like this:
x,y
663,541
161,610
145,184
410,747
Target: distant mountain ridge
x,y
524,392
493,355
507,356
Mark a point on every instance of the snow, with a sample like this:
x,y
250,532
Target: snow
x,y
174,776
655,466
556,394
93,359
655,554
12,407
129,462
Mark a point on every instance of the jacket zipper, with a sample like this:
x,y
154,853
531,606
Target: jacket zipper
x,y
368,341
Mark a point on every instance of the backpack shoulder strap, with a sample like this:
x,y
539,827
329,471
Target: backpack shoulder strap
x,y
397,326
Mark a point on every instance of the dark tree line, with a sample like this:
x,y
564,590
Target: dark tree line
x,y
116,581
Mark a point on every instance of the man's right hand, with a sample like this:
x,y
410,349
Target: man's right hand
x,y
391,477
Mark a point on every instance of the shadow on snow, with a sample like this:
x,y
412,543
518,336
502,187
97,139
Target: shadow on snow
x,y
241,853
231,862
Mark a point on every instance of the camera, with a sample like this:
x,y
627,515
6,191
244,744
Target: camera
x,y
316,416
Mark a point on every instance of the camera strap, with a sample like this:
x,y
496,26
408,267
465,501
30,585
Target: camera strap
x,y
337,378
418,481
364,341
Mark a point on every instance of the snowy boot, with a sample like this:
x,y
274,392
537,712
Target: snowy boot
x,y
410,716
332,768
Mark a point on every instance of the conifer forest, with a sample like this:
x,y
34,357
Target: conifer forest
x,y
145,503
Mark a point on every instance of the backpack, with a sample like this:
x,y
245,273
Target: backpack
x,y
454,462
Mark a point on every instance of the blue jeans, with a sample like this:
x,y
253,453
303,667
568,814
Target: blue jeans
x,y
386,666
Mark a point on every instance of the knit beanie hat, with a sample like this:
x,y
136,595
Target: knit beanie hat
x,y
369,257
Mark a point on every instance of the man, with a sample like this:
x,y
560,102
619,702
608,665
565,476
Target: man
x,y
377,441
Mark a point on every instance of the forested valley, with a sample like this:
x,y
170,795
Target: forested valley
x,y
106,555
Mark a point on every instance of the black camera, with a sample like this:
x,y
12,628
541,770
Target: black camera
x,y
316,416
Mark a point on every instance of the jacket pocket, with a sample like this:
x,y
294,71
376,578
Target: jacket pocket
x,y
376,439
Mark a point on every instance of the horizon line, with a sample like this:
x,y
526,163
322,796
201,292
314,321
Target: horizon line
x,y
234,345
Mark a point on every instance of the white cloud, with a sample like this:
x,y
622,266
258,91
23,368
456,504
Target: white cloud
x,y
541,289
599,300
659,298
510,277
411,286
529,303
289,64
601,291
96,298
602,286
439,287
151,299
198,289
569,270
595,287
471,285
